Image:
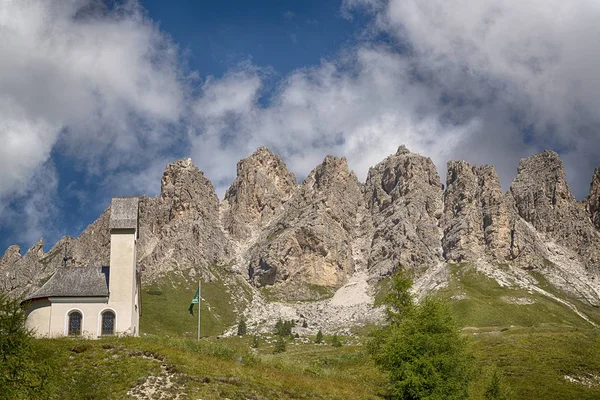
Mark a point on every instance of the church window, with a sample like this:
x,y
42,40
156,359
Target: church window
x,y
75,319
108,323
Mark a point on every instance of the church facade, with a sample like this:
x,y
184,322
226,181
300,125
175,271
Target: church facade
x,y
97,300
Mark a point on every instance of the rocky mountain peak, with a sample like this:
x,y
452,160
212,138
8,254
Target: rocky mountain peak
x,y
11,255
592,201
187,189
332,171
263,184
542,197
404,194
476,221
402,149
540,190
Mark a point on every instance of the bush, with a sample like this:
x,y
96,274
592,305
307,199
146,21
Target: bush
x,y
255,342
279,345
335,341
421,348
22,373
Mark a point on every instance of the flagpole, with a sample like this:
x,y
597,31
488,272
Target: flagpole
x,y
199,297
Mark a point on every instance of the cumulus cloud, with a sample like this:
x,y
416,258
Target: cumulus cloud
x,y
97,83
490,82
104,80
487,81
534,62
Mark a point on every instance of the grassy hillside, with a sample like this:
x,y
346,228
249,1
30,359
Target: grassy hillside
x,y
165,305
541,347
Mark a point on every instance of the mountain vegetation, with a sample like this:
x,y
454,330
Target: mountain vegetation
x,y
504,283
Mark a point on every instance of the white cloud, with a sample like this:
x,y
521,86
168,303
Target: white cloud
x,y
535,60
105,80
450,80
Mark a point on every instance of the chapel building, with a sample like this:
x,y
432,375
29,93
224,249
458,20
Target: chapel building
x,y
94,301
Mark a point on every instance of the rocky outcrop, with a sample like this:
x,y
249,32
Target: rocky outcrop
x,y
404,195
262,186
305,241
11,255
311,242
476,219
541,196
180,230
592,201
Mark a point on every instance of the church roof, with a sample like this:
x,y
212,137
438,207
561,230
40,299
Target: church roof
x,y
75,282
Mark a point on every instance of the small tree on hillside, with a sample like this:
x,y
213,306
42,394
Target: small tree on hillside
x,y
421,348
335,341
241,330
496,388
319,338
255,342
279,345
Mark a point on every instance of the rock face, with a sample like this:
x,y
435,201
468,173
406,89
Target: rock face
x,y
592,201
262,186
311,242
181,230
476,217
404,195
303,242
542,197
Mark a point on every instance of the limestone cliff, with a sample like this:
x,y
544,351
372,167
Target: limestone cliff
x,y
541,196
311,242
262,186
405,197
476,217
305,241
592,201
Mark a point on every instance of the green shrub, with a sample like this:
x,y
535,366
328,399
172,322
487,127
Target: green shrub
x,y
279,345
335,341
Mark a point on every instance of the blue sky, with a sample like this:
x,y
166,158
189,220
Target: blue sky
x,y
97,97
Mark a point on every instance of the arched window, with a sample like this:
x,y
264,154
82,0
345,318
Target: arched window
x,y
75,320
108,323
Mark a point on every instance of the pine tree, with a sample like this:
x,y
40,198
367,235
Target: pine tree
x,y
255,342
279,327
241,330
319,338
304,324
442,368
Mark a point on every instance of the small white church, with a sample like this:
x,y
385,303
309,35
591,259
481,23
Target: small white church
x,y
94,301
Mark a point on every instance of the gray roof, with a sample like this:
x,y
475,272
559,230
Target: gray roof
x,y
124,213
75,282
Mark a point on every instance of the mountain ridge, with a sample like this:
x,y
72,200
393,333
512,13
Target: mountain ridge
x,y
305,241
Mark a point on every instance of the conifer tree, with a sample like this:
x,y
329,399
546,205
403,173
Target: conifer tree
x,y
319,338
241,329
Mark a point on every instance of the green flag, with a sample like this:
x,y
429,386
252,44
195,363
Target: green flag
x,y
194,301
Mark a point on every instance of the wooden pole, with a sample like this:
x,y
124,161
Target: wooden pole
x,y
199,299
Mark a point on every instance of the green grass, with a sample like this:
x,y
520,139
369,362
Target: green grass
x,y
534,346
165,307
484,305
211,369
